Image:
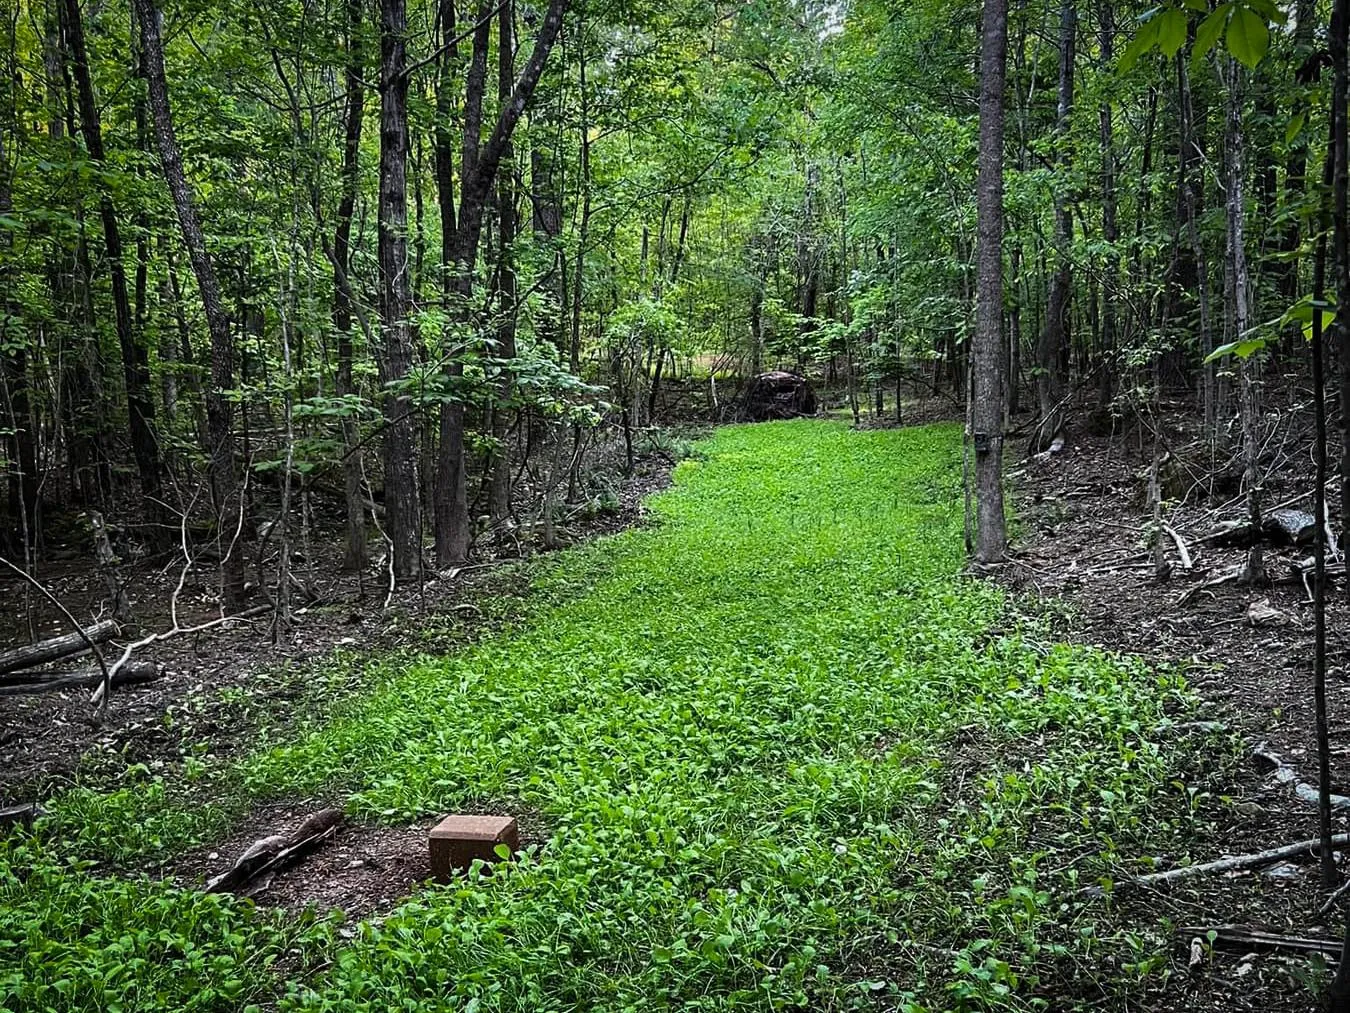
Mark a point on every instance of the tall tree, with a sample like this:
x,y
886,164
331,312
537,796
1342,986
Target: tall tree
x,y
499,498
135,359
401,499
989,353
219,407
1053,344
355,553
478,170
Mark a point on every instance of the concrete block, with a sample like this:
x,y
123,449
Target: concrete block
x,y
457,840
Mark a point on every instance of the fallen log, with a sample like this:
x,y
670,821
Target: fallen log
x,y
30,655
271,853
1236,862
27,683
1247,939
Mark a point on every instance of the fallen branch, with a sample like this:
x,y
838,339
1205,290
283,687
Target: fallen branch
x,y
1249,938
26,683
276,850
152,638
1227,577
1236,862
31,655
79,630
1335,896
1182,551
1287,774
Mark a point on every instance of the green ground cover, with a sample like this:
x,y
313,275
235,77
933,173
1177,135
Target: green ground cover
x,y
786,754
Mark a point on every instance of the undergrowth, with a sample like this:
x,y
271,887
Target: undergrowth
x,y
788,756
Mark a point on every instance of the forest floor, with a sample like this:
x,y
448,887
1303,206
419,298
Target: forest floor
x,y
1084,557
772,750
220,687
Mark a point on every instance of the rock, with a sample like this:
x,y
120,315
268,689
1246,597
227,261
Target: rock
x,y
1284,870
1262,613
777,395
1289,527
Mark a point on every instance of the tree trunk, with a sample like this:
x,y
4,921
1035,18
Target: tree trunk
x,y
401,502
219,413
1237,265
499,500
1054,338
1110,227
989,351
355,555
135,360
478,171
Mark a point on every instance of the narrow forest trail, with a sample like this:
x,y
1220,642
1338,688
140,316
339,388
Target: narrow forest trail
x,y
784,754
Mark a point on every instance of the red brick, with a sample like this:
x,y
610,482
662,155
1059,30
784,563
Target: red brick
x,y
457,840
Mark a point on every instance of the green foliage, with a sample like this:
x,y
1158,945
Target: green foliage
x,y
1244,26
773,731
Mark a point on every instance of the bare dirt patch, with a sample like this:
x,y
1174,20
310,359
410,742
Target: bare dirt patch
x,y
363,869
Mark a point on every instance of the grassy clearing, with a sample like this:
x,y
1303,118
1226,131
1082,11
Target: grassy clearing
x,y
788,757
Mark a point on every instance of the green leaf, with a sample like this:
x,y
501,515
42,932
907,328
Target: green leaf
x,y
1209,31
1267,11
1197,5
1294,127
1244,349
1171,31
1139,45
1248,37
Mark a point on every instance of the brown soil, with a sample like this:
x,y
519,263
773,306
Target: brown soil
x,y
362,870
1082,521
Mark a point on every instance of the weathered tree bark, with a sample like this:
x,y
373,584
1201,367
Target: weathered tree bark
x,y
988,354
355,555
478,170
452,498
1340,185
1110,227
30,655
1054,337
135,360
219,412
401,500
1249,407
499,499
1190,210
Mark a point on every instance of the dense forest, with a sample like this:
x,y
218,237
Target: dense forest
x,y
314,310
409,258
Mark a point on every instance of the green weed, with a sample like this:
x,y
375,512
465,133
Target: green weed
x,y
783,763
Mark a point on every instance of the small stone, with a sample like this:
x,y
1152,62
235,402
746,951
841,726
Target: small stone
x,y
214,855
1284,871
457,840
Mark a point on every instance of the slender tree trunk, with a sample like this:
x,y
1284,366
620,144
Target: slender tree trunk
x,y
354,556
1110,227
989,351
500,499
135,360
1241,316
402,503
1054,336
219,412
1340,139
478,171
